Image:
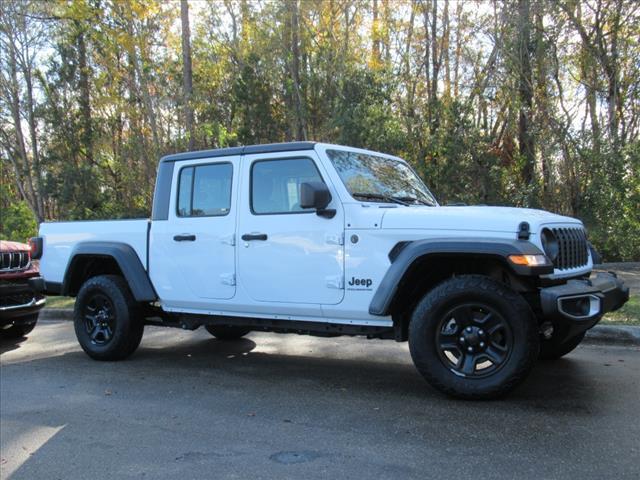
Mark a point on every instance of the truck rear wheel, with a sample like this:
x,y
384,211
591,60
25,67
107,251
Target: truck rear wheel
x,y
472,337
226,332
105,318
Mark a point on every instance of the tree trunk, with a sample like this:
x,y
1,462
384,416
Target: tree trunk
x,y
435,70
427,62
456,63
347,26
375,36
299,120
612,68
33,196
37,170
444,50
187,73
525,92
409,80
540,94
386,26
85,97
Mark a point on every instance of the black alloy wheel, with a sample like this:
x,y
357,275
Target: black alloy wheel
x,y
473,340
99,319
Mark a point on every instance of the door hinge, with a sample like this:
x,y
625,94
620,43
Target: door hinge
x,y
228,279
335,239
229,240
336,282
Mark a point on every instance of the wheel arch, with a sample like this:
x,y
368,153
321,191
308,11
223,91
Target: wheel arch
x,y
89,259
416,267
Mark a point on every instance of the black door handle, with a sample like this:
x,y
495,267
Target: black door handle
x,y
254,236
185,238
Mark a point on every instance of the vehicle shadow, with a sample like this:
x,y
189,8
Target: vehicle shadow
x,y
563,385
272,364
9,344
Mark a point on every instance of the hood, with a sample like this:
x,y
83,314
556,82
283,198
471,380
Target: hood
x,y
7,246
477,219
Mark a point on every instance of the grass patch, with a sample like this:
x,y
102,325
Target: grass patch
x,y
629,314
60,302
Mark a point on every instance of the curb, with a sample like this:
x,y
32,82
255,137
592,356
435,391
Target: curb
x,y
609,334
614,335
56,314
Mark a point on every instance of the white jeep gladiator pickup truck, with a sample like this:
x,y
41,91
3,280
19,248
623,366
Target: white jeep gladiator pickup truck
x,y
330,240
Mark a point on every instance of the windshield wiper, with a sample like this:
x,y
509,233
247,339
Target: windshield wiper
x,y
380,196
414,200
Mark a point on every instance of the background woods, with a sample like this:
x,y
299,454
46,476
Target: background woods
x,y
526,102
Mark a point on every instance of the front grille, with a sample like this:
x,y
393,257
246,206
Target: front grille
x,y
11,261
573,251
14,299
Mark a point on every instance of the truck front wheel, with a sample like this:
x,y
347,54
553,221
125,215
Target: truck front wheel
x,y
105,318
473,337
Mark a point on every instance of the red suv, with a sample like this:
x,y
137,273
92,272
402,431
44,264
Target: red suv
x,y
21,289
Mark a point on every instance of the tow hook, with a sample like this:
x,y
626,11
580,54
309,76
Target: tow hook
x,y
546,329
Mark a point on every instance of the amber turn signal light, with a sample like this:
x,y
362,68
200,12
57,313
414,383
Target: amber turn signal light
x,y
529,260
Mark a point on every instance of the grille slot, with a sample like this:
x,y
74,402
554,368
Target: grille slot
x,y
573,249
12,261
14,299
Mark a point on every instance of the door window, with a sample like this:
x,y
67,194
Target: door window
x,y
275,185
205,190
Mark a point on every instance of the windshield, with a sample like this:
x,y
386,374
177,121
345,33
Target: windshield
x,y
380,179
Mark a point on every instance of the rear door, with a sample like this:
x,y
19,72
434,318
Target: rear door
x,y
287,254
193,252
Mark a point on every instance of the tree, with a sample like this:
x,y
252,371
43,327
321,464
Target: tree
x,y
187,73
533,103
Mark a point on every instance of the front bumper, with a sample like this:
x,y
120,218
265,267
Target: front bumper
x,y
19,299
578,305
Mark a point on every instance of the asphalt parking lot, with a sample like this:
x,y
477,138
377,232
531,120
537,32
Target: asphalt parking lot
x,y
285,406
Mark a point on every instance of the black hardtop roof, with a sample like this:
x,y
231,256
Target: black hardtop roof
x,y
244,150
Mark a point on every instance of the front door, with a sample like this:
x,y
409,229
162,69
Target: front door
x,y
287,254
193,252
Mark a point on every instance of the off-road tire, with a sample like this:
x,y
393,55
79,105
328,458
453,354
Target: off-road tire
x,y
227,332
17,331
457,292
128,325
554,349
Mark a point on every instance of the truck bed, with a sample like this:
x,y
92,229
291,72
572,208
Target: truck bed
x,y
61,237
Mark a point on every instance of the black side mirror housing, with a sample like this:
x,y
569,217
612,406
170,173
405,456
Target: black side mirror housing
x,y
316,195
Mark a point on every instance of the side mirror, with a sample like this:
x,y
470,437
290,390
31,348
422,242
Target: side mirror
x,y
316,195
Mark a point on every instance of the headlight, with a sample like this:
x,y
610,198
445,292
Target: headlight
x,y
550,244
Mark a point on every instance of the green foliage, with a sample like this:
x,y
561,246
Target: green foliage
x,y
363,115
612,204
257,119
17,222
629,314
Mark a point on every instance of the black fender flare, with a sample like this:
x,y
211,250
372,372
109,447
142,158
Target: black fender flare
x,y
126,258
404,254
